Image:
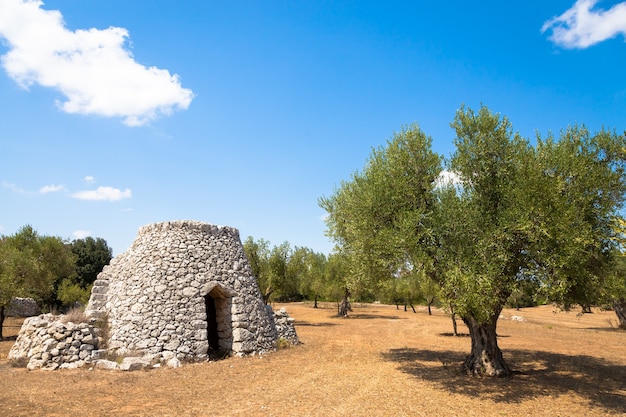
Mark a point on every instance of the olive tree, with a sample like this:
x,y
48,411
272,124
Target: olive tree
x,y
518,212
312,273
495,167
32,265
381,218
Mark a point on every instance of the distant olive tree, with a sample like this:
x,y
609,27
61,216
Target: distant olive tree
x,y
32,265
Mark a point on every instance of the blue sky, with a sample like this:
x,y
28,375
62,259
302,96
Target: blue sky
x,y
115,114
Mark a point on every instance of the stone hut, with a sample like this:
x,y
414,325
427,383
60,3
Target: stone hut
x,y
183,289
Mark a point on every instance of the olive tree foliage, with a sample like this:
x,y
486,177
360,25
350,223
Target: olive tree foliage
x,y
336,271
614,291
537,218
13,267
408,288
587,179
287,274
488,228
311,267
381,218
283,278
519,213
32,265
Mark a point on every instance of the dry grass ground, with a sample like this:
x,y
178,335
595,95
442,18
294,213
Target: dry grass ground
x,y
379,362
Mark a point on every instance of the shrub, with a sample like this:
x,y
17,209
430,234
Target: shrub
x,y
75,315
103,331
283,343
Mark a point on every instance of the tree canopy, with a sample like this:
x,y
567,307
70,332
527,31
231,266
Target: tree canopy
x,y
289,274
518,213
49,269
91,255
32,266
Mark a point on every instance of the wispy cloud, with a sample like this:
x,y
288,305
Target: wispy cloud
x,y
51,189
103,194
92,68
89,179
15,188
81,234
581,27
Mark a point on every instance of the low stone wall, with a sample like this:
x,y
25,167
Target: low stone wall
x,y
22,307
51,342
285,327
48,342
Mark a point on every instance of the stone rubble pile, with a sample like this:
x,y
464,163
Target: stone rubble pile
x,y
50,342
22,307
47,342
285,327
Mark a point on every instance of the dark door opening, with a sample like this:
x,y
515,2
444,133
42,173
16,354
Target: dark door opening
x,y
211,319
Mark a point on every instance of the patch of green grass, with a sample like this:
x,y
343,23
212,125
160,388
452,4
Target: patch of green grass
x,y
283,343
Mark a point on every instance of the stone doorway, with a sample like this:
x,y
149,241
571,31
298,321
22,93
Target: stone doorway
x,y
211,325
218,302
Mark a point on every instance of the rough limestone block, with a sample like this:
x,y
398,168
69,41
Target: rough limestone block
x,y
105,364
134,364
173,363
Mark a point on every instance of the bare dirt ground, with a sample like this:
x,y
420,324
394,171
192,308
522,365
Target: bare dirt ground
x,y
379,362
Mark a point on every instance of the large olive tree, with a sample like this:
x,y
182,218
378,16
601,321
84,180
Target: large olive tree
x,y
518,212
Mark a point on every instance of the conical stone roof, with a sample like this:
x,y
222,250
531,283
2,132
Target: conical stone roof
x,y
183,288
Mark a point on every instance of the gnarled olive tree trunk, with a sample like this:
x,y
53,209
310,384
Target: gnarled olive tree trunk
x,y
1,320
486,357
619,306
344,307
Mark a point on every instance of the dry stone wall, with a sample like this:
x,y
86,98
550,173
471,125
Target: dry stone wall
x,y
183,289
49,342
22,307
285,327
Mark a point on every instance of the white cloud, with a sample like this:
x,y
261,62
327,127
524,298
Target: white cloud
x,y
581,27
103,194
51,189
93,69
81,234
447,178
89,179
14,187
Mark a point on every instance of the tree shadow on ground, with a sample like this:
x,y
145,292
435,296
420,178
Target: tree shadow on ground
x,y
365,316
306,323
535,374
605,329
8,338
